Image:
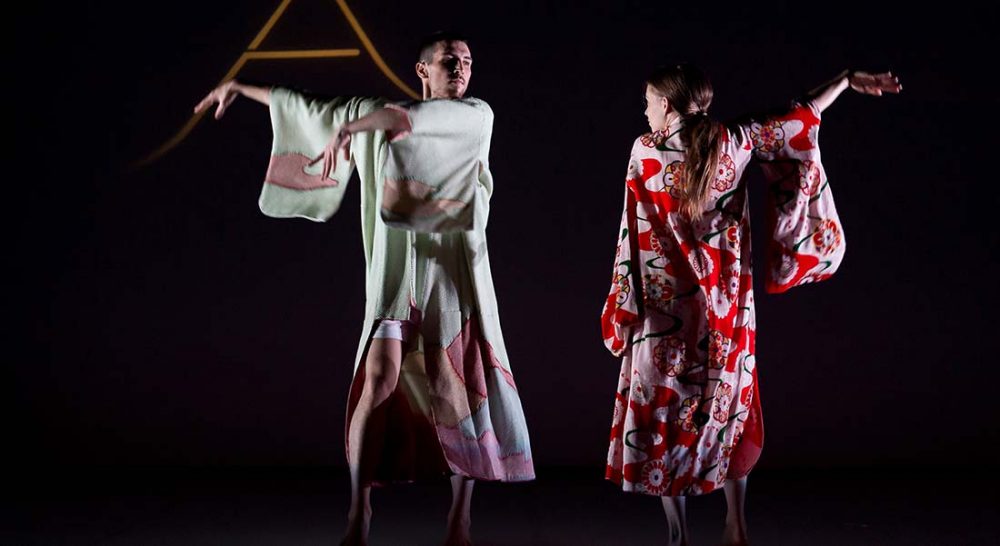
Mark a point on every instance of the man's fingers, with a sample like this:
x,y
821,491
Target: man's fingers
x,y
224,104
345,147
205,103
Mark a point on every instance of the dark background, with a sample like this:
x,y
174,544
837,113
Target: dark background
x,y
160,319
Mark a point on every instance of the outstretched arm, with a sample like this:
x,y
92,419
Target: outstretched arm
x,y
227,92
388,119
862,82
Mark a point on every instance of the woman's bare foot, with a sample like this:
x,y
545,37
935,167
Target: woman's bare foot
x,y
677,531
734,534
357,528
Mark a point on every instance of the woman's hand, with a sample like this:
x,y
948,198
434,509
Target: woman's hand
x,y
223,95
862,82
340,143
873,84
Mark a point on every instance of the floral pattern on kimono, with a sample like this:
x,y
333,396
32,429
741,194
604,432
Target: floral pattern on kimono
x,y
680,312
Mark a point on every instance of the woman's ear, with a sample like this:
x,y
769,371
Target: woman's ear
x,y
665,104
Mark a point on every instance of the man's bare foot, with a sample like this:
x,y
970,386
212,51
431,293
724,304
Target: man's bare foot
x,y
458,533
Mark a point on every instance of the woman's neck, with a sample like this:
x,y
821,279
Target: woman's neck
x,y
672,123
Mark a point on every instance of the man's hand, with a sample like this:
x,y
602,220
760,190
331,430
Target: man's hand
x,y
223,95
340,143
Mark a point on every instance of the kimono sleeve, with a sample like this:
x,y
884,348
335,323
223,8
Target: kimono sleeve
x,y
302,127
807,243
432,170
621,309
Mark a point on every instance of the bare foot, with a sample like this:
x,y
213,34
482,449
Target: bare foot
x,y
357,529
734,535
458,534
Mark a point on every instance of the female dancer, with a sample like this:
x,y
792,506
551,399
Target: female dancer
x,y
680,313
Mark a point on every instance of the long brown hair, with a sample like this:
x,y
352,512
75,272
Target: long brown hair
x,y
690,93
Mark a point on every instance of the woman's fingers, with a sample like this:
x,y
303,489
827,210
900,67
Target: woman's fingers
x,y
875,84
890,83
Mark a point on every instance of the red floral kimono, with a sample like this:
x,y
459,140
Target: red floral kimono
x,y
681,312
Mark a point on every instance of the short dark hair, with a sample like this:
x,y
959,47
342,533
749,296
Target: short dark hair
x,y
428,43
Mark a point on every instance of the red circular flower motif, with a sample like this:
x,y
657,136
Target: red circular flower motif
x,y
827,236
654,477
725,173
654,139
718,350
673,178
661,242
723,399
768,137
668,356
658,292
809,177
686,418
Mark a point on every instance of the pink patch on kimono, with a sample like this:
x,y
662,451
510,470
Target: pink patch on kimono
x,y
469,349
288,171
481,457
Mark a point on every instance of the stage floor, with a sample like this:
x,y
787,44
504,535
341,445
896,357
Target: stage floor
x,y
272,506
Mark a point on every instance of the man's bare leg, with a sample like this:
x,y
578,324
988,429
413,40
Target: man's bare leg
x,y
459,517
674,508
735,533
367,432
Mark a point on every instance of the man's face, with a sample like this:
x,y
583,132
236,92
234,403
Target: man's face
x,y
449,71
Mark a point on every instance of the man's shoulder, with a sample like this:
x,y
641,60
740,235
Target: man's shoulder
x,y
481,105
476,101
463,107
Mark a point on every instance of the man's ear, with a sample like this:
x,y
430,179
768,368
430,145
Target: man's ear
x,y
422,70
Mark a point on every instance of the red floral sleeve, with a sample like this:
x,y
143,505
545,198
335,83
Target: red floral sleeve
x,y
807,244
621,310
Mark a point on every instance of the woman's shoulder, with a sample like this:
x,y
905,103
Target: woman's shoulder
x,y
735,137
649,143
